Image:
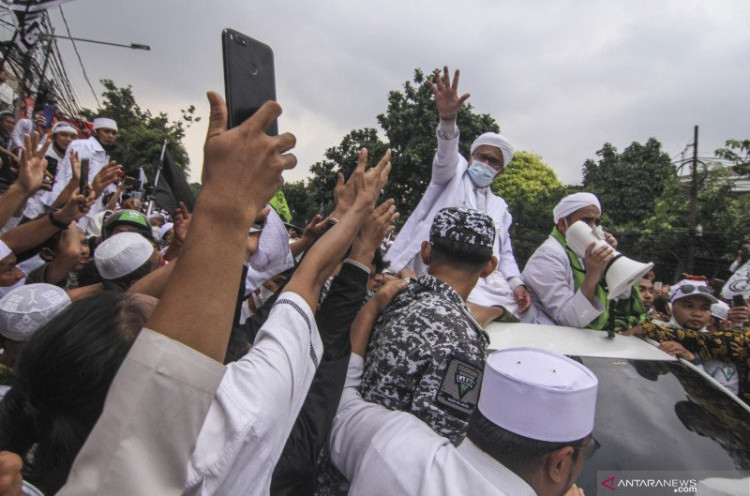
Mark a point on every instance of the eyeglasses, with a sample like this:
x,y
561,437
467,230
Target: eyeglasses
x,y
689,288
589,449
489,160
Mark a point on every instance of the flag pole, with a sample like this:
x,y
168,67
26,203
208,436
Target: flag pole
x,y
157,176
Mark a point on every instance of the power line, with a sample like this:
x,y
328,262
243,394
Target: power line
x,y
83,69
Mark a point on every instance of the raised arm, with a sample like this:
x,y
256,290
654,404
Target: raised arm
x,y
243,162
448,102
30,174
326,254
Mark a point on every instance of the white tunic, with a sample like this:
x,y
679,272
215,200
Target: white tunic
x,y
549,278
257,404
451,186
390,452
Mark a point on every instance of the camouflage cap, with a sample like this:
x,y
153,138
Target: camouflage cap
x,y
463,225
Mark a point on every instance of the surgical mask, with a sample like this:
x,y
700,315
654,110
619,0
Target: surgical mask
x,y
262,296
481,174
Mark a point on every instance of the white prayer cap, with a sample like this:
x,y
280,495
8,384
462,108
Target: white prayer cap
x,y
498,141
64,127
27,309
121,254
5,250
157,215
165,229
539,394
105,123
574,202
720,310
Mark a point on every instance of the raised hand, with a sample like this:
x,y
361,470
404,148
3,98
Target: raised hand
x,y
109,174
32,165
243,162
446,94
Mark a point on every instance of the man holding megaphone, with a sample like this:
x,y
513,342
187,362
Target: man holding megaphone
x,y
577,278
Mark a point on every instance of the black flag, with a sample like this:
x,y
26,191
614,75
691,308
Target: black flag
x,y
172,188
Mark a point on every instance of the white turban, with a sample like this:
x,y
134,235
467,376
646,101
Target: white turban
x,y
498,141
105,123
64,127
574,202
28,308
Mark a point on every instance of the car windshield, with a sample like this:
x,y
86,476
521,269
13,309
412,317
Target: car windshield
x,y
663,416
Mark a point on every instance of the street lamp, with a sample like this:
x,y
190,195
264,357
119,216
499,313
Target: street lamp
x,y
133,46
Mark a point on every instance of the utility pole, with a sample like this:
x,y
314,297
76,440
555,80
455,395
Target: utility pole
x,y
693,203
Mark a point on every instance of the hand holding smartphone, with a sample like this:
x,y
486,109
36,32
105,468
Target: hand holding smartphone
x,y
83,184
249,80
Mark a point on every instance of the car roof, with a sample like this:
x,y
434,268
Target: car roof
x,y
572,341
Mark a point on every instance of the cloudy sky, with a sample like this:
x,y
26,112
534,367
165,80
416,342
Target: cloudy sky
x,y
561,77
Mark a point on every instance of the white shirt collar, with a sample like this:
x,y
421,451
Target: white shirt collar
x,y
495,472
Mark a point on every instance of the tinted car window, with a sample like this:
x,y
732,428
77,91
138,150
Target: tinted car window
x,y
654,415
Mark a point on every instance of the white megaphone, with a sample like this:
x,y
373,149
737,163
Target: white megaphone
x,y
621,272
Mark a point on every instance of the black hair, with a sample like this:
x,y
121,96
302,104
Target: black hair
x,y
660,304
378,261
470,258
62,378
124,282
518,453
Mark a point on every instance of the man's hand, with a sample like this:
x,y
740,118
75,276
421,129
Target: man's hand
x,y
343,196
676,349
109,174
76,208
373,231
32,164
446,94
369,184
738,315
11,480
243,162
522,297
362,325
610,239
596,258
182,220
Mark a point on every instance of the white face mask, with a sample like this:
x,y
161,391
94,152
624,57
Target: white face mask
x,y
481,174
261,296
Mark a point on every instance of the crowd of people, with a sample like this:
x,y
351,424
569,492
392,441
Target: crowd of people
x,y
219,352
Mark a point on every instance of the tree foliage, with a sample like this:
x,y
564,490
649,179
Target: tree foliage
x,y
409,125
628,183
738,153
142,133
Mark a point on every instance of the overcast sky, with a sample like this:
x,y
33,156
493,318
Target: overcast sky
x,y
561,77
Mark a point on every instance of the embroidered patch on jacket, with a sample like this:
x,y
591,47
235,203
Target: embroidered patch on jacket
x,y
460,386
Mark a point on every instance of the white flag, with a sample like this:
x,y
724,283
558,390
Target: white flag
x,y
739,283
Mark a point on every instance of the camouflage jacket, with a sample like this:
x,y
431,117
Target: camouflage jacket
x,y
426,357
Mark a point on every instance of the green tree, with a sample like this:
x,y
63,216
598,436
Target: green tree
x,y
664,237
531,189
141,133
737,152
628,183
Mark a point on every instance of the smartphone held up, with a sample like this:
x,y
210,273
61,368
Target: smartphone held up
x,y
249,79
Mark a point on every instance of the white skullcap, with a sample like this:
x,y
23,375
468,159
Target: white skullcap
x,y
105,123
574,202
164,229
121,254
5,250
27,309
720,310
699,288
157,215
539,394
498,141
64,127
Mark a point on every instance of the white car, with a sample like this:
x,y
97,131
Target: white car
x,y
657,415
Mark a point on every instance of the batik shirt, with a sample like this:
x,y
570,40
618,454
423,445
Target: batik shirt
x,y
426,357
